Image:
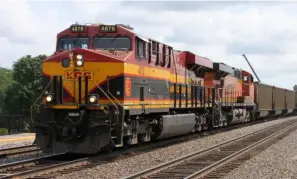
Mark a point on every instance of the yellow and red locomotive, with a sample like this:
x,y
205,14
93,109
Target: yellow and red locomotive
x,y
106,86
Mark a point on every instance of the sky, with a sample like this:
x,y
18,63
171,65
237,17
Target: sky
x,y
221,31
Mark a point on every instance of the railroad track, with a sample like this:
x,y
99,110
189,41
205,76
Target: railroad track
x,y
50,166
19,150
24,168
219,160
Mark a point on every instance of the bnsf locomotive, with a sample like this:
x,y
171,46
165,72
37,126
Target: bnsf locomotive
x,y
106,86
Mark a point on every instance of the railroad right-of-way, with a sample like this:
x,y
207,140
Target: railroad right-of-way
x,y
19,150
127,166
214,162
16,140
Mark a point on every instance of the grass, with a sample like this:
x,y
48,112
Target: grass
x,y
3,131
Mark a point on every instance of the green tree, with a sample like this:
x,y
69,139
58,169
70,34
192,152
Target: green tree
x,y
5,82
27,86
25,89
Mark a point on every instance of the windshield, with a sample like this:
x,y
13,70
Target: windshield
x,y
115,43
73,42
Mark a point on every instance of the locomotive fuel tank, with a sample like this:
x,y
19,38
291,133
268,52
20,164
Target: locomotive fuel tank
x,y
178,124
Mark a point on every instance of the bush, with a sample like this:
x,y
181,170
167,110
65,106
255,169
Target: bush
x,y
3,131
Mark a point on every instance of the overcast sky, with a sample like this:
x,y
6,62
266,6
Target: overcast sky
x,y
265,31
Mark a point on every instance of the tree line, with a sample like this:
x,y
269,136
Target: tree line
x,y
20,86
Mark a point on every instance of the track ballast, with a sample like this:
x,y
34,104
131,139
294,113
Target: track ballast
x,y
220,159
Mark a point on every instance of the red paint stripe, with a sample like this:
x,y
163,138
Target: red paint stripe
x,y
45,74
69,93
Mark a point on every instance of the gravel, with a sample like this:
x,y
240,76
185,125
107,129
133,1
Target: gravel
x,y
127,166
277,161
15,143
4,145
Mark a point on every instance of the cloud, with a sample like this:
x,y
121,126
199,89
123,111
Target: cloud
x,y
196,5
221,31
253,48
27,29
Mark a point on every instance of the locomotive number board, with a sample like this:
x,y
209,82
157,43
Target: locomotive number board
x,y
108,28
76,28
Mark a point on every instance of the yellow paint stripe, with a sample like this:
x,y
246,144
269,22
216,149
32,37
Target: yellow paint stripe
x,y
16,139
65,107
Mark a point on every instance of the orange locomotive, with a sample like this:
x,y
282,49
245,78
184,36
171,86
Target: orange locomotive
x,y
106,86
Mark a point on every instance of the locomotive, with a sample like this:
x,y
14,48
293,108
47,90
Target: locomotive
x,y
107,86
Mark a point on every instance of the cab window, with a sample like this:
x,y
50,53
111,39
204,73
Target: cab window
x,y
154,47
141,49
246,78
73,42
112,43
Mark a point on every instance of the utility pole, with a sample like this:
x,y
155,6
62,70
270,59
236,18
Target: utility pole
x,y
251,67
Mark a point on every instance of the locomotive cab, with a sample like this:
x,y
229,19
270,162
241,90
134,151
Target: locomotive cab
x,y
87,55
247,87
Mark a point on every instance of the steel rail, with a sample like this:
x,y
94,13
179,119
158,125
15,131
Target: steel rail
x,y
19,150
20,164
165,168
220,163
47,168
42,167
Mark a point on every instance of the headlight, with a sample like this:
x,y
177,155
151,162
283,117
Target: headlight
x,y
92,99
79,57
79,62
49,98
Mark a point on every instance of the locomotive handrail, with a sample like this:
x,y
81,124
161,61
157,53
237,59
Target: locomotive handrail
x,y
219,94
106,95
206,92
115,99
31,109
111,94
109,99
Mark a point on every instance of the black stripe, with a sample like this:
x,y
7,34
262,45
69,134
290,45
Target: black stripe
x,y
45,82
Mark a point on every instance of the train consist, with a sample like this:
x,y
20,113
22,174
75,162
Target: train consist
x,y
106,86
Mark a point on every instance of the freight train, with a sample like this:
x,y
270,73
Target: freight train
x,y
107,86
